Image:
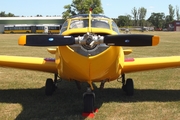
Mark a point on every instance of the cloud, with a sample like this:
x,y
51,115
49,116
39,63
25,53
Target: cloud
x,y
151,9
107,4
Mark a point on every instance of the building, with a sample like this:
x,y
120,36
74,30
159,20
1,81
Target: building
x,y
174,26
29,20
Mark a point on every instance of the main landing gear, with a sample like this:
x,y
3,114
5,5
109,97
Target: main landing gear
x,y
89,96
128,85
51,85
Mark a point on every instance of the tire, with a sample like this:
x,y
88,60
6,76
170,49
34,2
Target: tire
x,y
89,103
49,87
129,87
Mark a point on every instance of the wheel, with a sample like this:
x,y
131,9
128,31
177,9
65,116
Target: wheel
x,y
129,87
49,87
88,103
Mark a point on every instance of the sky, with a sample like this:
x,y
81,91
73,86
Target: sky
x,y
112,8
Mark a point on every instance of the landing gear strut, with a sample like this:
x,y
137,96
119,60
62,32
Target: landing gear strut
x,y
128,85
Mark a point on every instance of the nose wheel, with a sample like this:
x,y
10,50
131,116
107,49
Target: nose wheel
x,y
88,100
88,103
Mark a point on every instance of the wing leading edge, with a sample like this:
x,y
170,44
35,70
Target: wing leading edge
x,y
48,65
30,63
142,64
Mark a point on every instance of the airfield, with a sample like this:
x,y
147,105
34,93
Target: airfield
x,y
157,93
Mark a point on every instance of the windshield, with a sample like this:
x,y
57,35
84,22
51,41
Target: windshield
x,y
115,27
97,21
100,23
64,27
83,23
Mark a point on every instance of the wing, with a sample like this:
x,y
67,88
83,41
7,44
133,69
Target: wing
x,y
30,63
142,64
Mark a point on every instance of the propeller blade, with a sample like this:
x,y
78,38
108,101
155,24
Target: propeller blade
x,y
46,40
131,40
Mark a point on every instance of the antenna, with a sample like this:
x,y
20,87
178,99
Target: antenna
x,y
92,7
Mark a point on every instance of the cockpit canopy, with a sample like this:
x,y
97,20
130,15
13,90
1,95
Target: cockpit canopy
x,y
97,21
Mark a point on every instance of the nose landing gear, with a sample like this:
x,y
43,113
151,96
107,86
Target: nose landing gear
x,y
89,99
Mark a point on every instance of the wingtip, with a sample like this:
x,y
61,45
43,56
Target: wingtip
x,y
155,40
22,40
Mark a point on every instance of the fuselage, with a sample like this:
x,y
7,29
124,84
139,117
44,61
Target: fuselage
x,y
87,63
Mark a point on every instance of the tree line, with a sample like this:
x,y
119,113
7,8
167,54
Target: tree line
x,y
137,17
157,20
4,14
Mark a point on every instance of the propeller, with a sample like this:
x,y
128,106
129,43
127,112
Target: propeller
x,y
46,40
131,40
90,40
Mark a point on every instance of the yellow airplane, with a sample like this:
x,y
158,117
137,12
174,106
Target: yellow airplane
x,y
89,49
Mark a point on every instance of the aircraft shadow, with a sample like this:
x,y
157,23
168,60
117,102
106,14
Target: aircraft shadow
x,y
67,101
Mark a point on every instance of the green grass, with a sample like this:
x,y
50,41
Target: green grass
x,y
157,93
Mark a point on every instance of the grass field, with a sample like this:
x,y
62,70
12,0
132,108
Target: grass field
x,y
157,93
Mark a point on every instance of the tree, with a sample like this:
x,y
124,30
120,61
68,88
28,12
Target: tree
x,y
38,15
123,21
135,16
3,14
10,15
167,20
142,14
177,13
157,19
129,20
171,13
82,7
